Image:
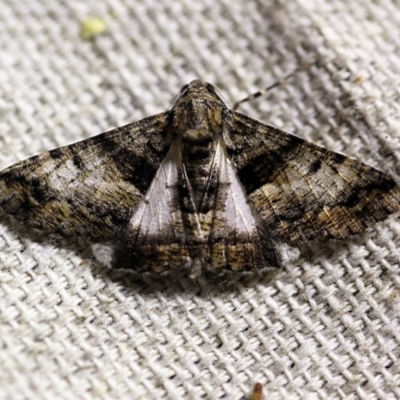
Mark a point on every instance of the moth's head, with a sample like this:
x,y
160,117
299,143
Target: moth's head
x,y
198,91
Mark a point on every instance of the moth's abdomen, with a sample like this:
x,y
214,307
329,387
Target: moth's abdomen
x,y
199,179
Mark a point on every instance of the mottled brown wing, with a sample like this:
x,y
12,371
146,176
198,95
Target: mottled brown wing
x,y
89,188
305,192
154,240
237,238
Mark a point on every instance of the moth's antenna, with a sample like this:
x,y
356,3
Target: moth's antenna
x,y
253,96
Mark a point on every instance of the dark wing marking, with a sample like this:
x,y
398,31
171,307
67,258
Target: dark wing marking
x,y
305,192
88,188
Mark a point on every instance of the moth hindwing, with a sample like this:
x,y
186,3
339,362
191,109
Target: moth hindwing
x,y
199,186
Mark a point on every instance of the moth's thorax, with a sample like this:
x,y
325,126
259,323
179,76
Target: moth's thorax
x,y
198,127
198,183
198,108
197,115
198,123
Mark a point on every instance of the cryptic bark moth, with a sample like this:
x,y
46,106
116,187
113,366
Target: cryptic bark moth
x,y
200,187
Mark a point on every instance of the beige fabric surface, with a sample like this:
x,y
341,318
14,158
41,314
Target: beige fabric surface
x,y
326,327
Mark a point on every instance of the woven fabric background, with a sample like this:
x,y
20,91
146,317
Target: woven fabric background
x,y
326,327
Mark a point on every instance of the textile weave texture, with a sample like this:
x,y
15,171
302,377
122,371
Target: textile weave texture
x,y
326,327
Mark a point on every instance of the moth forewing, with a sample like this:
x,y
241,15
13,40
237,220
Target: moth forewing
x,y
154,237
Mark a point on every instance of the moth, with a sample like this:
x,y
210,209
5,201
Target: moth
x,y
199,187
